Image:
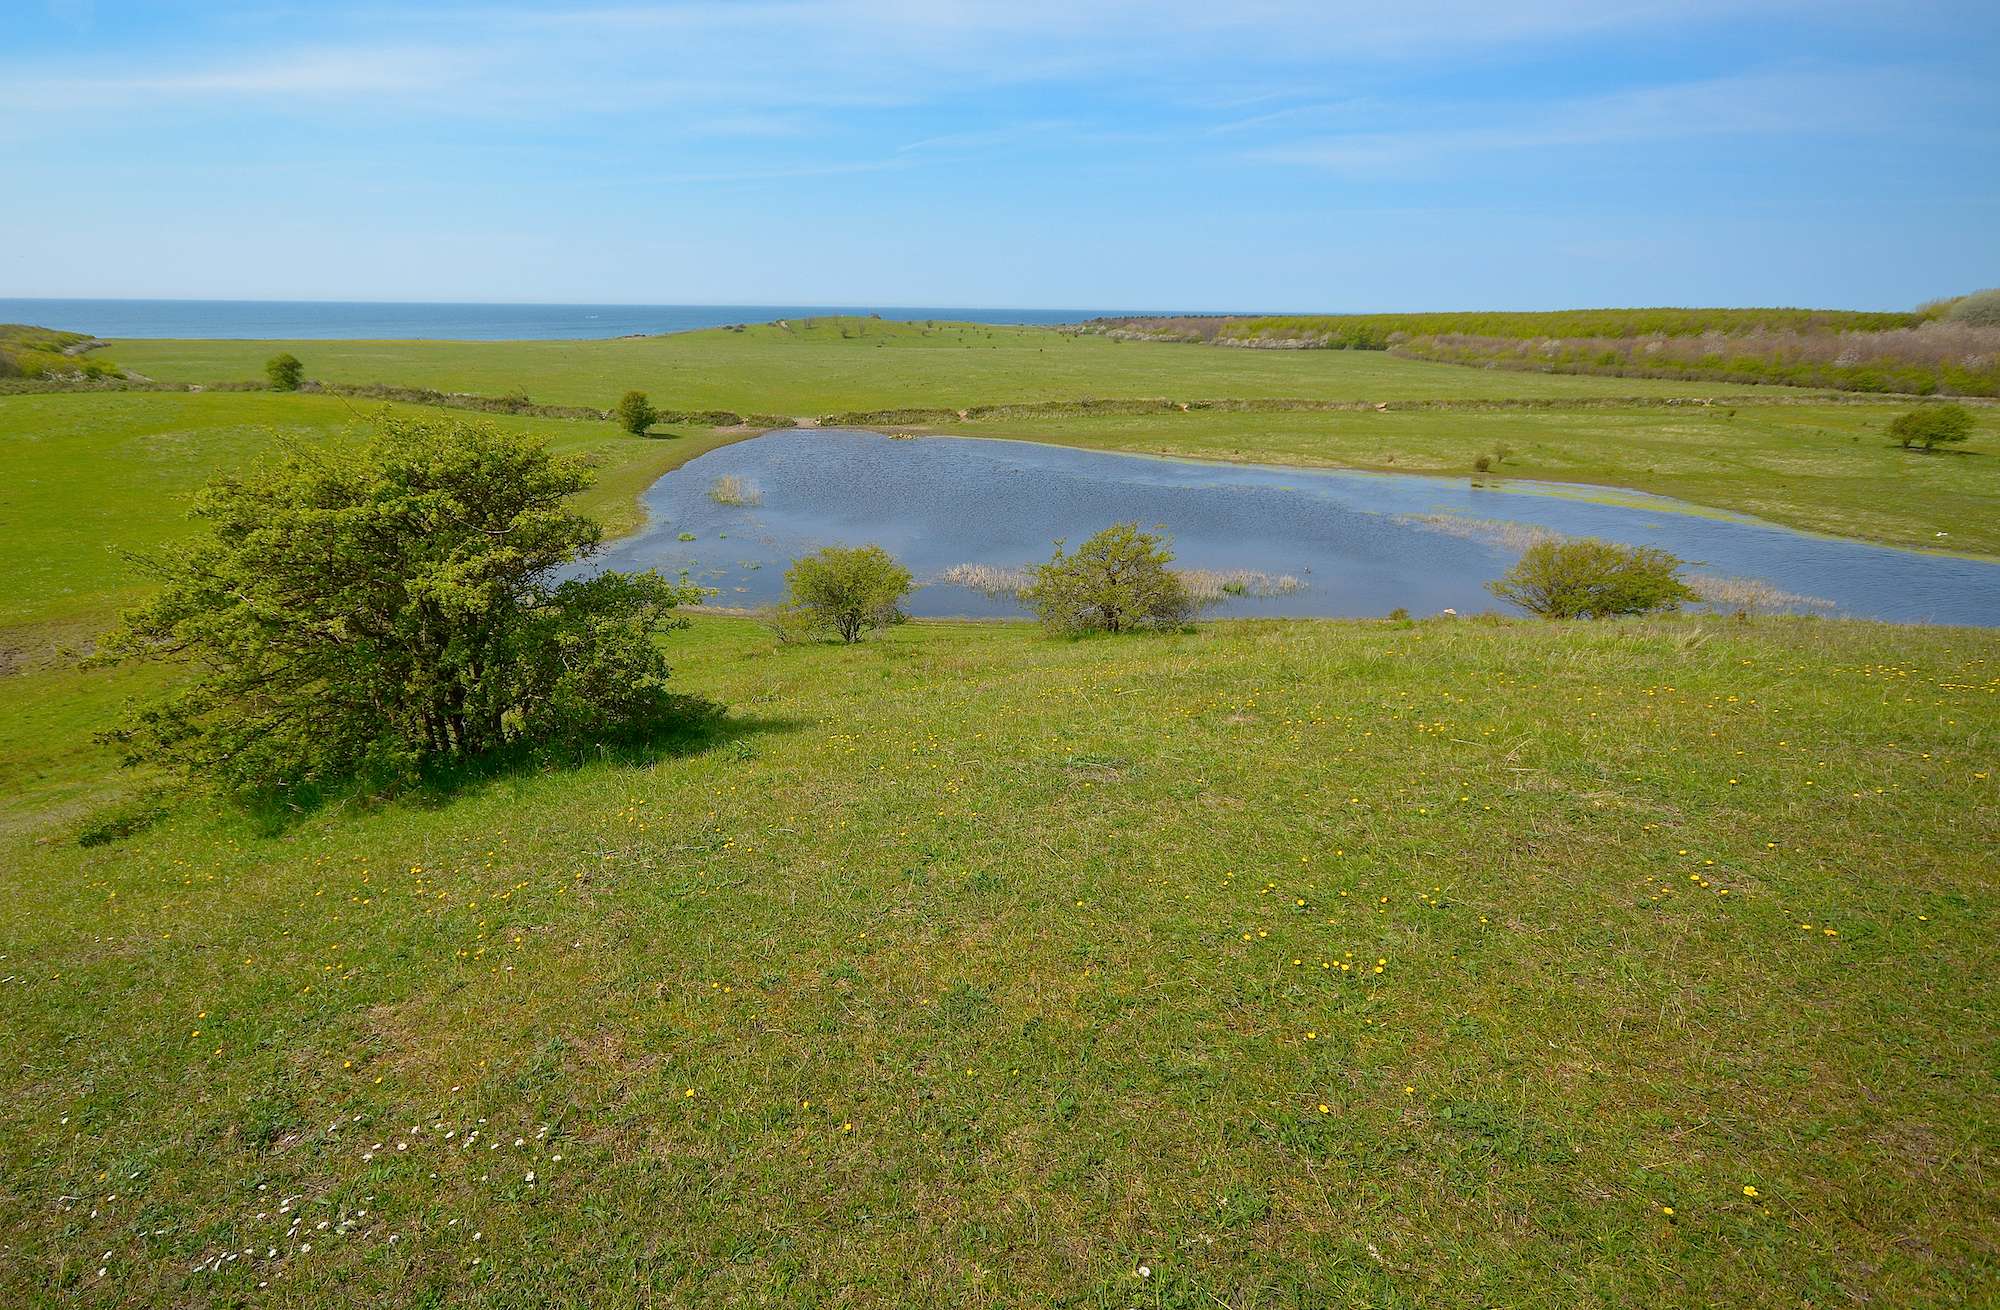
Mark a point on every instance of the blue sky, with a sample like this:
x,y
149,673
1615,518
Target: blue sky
x,y
1231,154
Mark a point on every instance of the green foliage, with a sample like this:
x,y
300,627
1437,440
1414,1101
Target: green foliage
x,y
1931,426
1948,358
847,590
285,371
788,624
1593,580
38,352
635,413
26,336
1845,350
1376,331
382,608
1115,582
1980,309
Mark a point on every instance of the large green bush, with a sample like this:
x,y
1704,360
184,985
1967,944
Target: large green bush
x,y
382,608
1593,579
1981,309
635,413
1115,582
1931,426
285,371
847,590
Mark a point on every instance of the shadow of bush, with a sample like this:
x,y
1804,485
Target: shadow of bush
x,y
695,726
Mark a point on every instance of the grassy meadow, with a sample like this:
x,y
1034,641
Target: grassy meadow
x,y
1298,963
1274,964
87,478
1795,457
818,366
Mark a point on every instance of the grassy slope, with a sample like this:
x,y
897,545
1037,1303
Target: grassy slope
x,y
1826,467
813,370
29,351
972,967
981,899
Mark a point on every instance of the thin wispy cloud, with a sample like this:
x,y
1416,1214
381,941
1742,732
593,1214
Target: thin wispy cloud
x,y
1012,134
784,172
833,52
1774,104
976,141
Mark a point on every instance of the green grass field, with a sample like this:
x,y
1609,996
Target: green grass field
x,y
1777,453
1295,963
810,368
974,967
84,477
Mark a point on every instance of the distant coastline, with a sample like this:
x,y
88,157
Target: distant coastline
x,y
324,320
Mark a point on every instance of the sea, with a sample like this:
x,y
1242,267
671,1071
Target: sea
x,y
341,320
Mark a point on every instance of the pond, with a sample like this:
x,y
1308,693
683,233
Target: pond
x,y
1272,541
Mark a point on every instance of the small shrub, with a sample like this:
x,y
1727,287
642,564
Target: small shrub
x,y
1212,586
730,489
995,581
1980,309
1400,614
1590,579
635,413
787,624
849,589
1932,426
1482,464
1115,582
120,823
285,371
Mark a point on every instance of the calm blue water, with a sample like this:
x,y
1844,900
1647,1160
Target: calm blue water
x,y
935,502
292,320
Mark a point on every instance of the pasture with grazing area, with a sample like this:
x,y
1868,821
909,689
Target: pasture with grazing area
x,y
1473,960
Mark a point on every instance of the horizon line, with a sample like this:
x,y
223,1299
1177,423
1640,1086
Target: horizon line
x,y
829,305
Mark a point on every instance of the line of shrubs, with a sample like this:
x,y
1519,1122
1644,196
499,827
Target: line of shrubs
x,y
1117,581
1120,581
1306,331
927,416
634,412
1949,347
1932,360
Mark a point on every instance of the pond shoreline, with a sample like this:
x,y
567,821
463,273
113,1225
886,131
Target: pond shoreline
x,y
1362,542
1615,494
